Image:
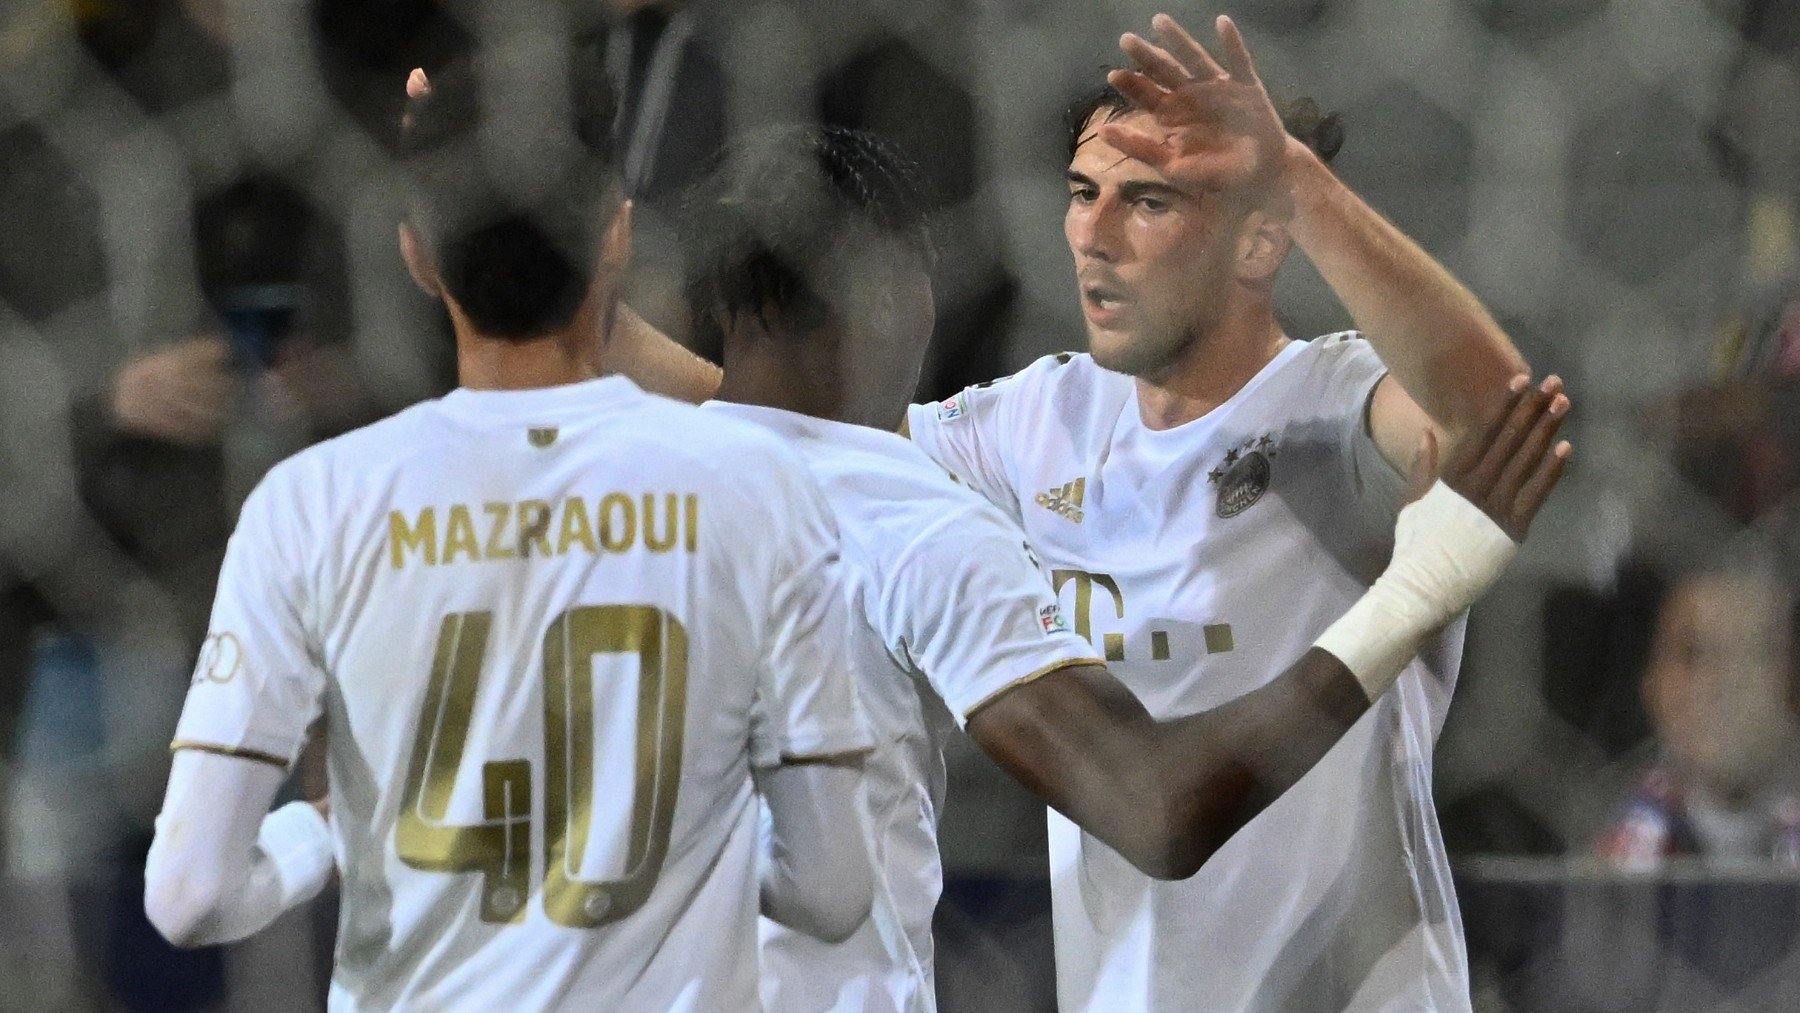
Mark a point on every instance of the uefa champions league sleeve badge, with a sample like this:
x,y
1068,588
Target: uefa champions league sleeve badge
x,y
1244,475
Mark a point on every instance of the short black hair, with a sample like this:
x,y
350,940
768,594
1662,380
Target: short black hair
x,y
1321,131
512,204
774,210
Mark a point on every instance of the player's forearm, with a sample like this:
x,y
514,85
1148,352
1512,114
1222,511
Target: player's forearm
x,y
1443,346
217,871
1221,768
656,362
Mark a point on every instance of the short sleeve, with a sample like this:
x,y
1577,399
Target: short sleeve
x,y
969,434
806,703
970,609
1354,371
258,683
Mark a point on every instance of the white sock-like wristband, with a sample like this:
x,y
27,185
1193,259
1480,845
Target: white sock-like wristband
x,y
1446,553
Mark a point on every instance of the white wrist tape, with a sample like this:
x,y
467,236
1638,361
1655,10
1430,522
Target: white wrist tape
x,y
298,842
1446,553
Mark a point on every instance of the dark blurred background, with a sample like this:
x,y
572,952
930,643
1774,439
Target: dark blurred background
x,y
198,276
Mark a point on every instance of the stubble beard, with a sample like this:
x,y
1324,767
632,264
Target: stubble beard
x,y
1148,357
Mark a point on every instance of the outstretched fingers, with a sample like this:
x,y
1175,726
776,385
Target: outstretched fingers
x,y
1146,148
1537,489
1501,445
1526,456
1237,54
1140,89
1185,49
1154,61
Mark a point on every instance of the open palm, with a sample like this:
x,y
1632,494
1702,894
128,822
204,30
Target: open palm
x,y
1208,125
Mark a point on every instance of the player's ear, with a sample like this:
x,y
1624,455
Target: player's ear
x,y
418,262
1262,245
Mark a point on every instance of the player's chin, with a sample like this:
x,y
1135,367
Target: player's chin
x,y
1110,346
1123,350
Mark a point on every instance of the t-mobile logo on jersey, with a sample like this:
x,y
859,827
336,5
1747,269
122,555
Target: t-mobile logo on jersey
x,y
1218,635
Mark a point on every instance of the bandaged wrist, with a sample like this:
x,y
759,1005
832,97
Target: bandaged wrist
x,y
1446,553
297,840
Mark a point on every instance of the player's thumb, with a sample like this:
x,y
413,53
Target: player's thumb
x,y
1424,469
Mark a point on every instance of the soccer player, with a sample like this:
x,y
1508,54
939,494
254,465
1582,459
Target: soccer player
x,y
564,631
807,250
1211,495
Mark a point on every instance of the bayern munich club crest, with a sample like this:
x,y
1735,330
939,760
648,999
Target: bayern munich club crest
x,y
1244,475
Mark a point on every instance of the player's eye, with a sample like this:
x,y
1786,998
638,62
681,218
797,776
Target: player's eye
x,y
1151,205
1081,194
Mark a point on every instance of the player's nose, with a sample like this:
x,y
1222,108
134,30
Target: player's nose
x,y
1090,232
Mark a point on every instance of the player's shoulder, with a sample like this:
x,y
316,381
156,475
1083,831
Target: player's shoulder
x,y
888,479
1041,387
1331,373
907,511
714,443
341,462
1343,351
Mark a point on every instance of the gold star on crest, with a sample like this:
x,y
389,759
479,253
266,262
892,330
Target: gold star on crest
x,y
1214,475
1231,457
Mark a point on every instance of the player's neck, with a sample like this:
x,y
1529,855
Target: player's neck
x,y
1210,370
755,377
804,374
566,356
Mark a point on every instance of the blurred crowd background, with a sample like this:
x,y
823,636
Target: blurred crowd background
x,y
198,276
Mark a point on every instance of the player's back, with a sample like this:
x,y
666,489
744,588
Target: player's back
x,y
545,616
951,610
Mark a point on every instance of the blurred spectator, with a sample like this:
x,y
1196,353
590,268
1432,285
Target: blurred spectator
x,y
1720,690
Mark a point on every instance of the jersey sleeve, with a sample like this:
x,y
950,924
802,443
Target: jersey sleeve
x,y
969,608
970,434
806,705
1354,373
258,683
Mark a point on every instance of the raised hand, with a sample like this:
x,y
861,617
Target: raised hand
x,y
1209,125
1509,469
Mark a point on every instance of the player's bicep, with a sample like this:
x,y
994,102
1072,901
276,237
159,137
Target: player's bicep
x,y
1081,742
1395,422
969,607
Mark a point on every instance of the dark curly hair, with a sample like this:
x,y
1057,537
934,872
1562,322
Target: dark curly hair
x,y
776,209
516,250
1322,132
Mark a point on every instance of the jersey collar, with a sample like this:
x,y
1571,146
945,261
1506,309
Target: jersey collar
x,y
569,401
797,426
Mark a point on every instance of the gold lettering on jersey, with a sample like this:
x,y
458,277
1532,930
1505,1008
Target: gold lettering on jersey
x,y
1084,599
617,522
1218,636
496,544
459,535
534,527
576,528
420,537
671,502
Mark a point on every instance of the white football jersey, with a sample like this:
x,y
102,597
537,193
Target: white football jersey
x,y
953,611
551,631
1202,561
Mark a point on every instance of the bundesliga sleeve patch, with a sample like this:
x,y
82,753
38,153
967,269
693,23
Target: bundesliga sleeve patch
x,y
1051,618
950,408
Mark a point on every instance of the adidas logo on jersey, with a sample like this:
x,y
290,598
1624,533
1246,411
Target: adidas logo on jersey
x,y
1064,500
